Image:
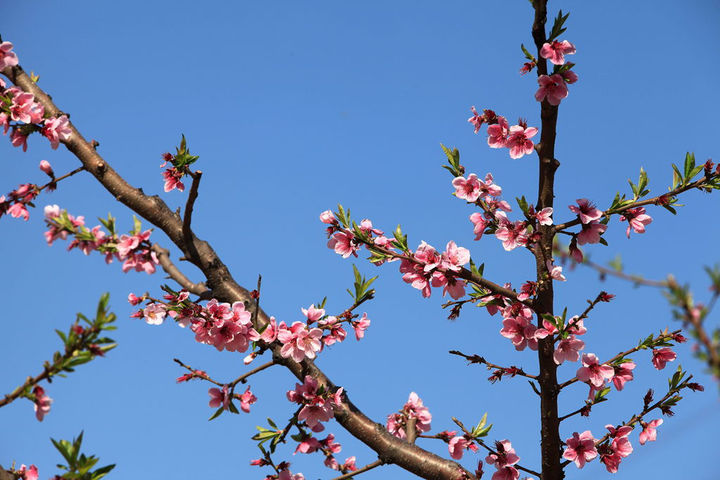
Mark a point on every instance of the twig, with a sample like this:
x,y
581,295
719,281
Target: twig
x,y
369,466
204,377
481,360
187,219
174,272
243,378
54,181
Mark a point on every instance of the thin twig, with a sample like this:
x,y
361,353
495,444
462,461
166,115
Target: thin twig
x,y
369,466
243,378
481,360
187,219
174,272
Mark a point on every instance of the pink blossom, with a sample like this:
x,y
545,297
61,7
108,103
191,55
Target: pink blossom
x,y
219,397
479,224
313,314
648,433
586,211
46,168
7,57
129,243
367,227
413,408
467,189
518,140
503,461
247,399
569,76
497,133
56,129
4,122
543,216
18,139
568,349
28,473
133,299
336,333
660,356
299,341
330,444
309,444
42,403
454,257
637,219
270,333
172,178
522,332
555,271
591,233
580,448
316,408
328,217
594,373
623,374
232,328
349,465
18,210
344,243
154,314
552,88
452,285
512,235
555,51
360,326
477,120
458,445
24,109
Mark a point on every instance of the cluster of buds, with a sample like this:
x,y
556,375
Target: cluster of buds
x,y
180,162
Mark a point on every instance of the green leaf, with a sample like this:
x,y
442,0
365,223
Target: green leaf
x,y
689,165
528,55
217,413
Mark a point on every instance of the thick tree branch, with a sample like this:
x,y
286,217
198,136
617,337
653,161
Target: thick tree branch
x,y
389,448
174,272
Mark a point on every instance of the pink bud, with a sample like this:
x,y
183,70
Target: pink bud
x,y
47,168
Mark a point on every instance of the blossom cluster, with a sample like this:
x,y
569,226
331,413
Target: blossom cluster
x,y
516,138
583,447
317,402
229,327
553,88
413,408
328,446
29,116
16,202
134,250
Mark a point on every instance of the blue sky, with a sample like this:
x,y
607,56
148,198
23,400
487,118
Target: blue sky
x,y
294,107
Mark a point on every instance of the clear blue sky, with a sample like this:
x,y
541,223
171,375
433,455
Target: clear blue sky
x,y
296,106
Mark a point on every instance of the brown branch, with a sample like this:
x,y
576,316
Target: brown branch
x,y
640,203
54,180
364,469
193,370
174,272
243,378
393,450
187,220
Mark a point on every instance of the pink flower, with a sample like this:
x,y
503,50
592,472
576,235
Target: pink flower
x,y
56,129
18,139
552,88
580,448
344,243
555,271
458,445
591,232
555,51
42,403
452,285
309,444
299,342
660,356
219,397
586,211
503,461
133,299
479,224
349,465
317,408
497,133
154,314
637,219
328,217
46,168
28,473
172,178
7,57
518,141
512,235
454,257
569,76
623,374
594,373
313,314
468,189
18,210
568,349
247,399
270,333
649,434
522,332
4,122
477,120
543,216
360,326
413,408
